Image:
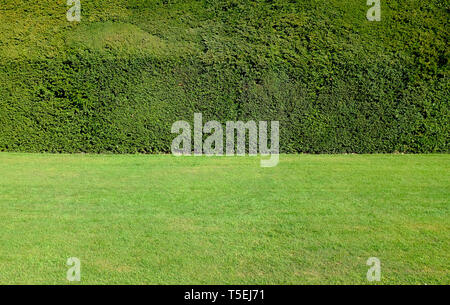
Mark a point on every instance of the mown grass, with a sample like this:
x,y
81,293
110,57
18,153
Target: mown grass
x,y
156,219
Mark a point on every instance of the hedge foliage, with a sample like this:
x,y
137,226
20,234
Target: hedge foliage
x,y
118,80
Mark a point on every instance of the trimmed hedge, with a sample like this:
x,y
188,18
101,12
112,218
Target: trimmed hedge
x,y
118,80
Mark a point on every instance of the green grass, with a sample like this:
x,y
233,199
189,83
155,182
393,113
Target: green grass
x,y
157,219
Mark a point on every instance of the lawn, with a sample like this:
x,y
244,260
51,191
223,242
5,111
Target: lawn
x,y
159,219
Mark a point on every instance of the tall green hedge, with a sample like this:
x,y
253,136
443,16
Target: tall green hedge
x,y
118,80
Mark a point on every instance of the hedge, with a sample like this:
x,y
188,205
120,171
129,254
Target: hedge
x,y
118,80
